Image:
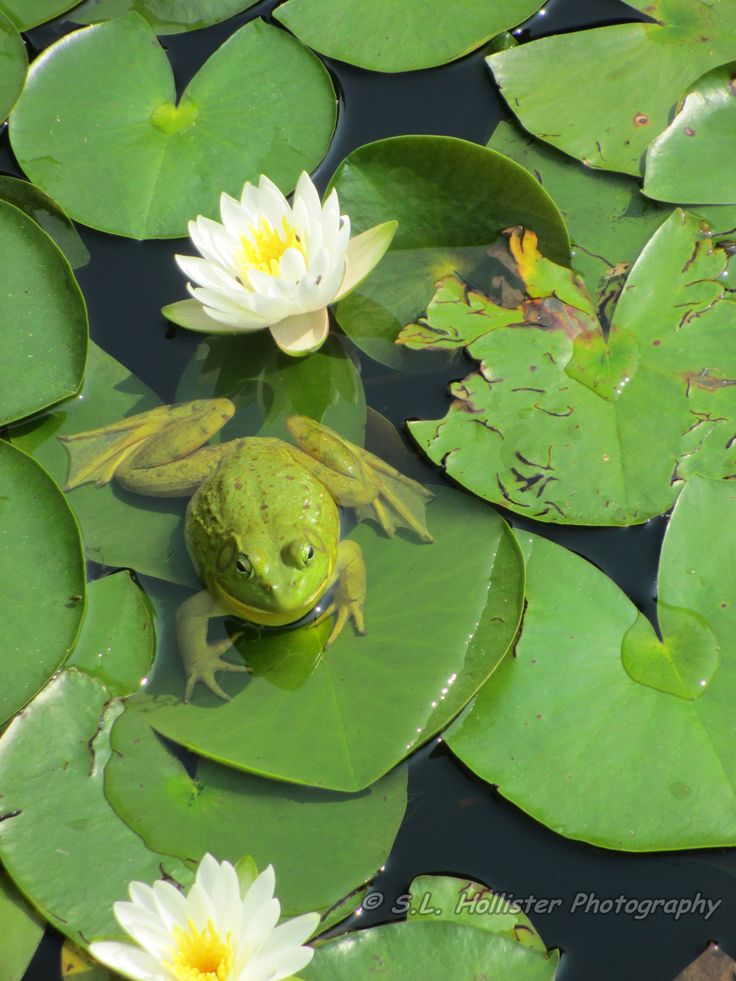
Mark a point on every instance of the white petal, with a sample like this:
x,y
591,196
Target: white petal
x,y
260,892
132,962
214,242
204,272
363,254
291,933
232,323
171,904
306,192
272,202
220,882
258,929
236,217
302,333
281,964
190,314
220,300
292,265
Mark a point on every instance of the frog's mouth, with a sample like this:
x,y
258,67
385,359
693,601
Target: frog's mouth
x,y
255,614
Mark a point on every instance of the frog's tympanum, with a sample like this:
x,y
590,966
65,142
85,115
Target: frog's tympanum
x,y
262,526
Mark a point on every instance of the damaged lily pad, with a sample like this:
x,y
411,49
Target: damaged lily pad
x,y
227,812
44,319
167,160
60,841
452,200
692,159
164,16
304,715
609,220
33,202
42,578
569,736
437,942
620,84
373,34
552,425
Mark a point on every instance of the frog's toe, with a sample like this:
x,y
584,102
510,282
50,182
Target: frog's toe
x,y
352,611
205,671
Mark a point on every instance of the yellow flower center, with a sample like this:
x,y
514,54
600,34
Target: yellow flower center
x,y
266,245
201,955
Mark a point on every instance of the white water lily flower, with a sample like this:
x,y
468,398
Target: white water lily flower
x,y
212,934
271,264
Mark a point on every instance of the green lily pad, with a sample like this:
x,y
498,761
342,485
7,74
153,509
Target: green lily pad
x,y
117,642
691,159
13,65
165,162
20,932
468,903
45,319
46,213
267,386
573,740
424,33
550,425
164,16
60,841
119,529
620,84
427,950
452,200
305,717
30,13
42,581
608,218
323,845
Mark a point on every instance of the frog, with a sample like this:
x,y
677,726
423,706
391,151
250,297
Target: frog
x,y
262,525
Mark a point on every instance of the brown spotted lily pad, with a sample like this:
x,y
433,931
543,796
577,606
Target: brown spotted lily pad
x,y
563,424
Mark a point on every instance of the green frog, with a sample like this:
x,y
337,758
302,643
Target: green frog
x,y
262,526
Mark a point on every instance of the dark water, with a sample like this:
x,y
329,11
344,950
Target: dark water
x,y
454,824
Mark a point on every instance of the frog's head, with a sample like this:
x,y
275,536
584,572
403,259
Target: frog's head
x,y
271,580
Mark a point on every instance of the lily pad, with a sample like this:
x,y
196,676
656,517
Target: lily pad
x,y
60,841
267,386
13,65
373,34
44,319
46,213
42,581
609,220
164,160
550,425
462,901
164,16
565,732
26,14
21,932
117,642
620,84
119,529
452,200
690,160
343,719
427,950
323,845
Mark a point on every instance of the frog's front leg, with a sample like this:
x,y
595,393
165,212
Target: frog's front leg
x,y
348,597
201,657
159,453
359,479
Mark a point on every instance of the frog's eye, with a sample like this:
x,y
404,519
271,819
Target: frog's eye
x,y
298,554
307,554
244,566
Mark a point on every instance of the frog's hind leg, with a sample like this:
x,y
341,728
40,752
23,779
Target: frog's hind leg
x,y
361,480
159,452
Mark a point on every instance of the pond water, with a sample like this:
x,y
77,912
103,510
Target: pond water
x,y
454,823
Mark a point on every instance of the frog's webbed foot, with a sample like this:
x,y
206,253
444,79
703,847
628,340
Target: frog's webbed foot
x,y
204,665
203,658
349,596
361,480
140,449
